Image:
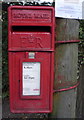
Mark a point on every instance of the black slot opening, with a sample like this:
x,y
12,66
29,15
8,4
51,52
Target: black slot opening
x,y
31,29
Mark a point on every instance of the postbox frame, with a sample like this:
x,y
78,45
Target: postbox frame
x,y
14,51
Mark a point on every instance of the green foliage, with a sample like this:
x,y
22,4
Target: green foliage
x,y
5,54
81,30
81,44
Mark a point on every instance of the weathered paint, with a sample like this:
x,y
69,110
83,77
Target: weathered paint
x,y
66,66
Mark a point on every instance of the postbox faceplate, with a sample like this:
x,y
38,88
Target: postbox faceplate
x,y
31,40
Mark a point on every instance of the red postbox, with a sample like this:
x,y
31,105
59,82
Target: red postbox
x,y
31,58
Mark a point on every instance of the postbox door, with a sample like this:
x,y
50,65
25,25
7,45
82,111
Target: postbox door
x,y
30,82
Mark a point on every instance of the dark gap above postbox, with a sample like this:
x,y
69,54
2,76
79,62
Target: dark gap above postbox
x,y
31,28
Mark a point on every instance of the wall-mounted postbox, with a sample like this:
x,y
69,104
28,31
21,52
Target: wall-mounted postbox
x,y
31,58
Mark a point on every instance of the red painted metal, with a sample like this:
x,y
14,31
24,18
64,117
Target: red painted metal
x,y
66,89
68,41
31,29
